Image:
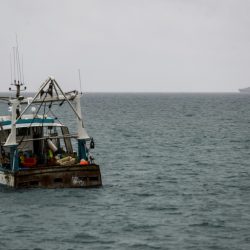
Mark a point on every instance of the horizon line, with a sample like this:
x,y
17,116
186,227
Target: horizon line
x,y
147,92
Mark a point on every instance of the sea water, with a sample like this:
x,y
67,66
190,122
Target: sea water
x,y
176,175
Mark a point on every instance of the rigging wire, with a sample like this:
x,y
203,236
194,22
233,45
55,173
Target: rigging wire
x,y
53,113
33,119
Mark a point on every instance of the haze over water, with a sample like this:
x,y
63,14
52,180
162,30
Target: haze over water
x,y
176,175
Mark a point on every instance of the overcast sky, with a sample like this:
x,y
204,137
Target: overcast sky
x,y
129,45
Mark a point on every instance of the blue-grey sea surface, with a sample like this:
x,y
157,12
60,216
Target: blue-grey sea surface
x,y
176,175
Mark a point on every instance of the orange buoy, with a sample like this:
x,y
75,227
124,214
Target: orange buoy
x,y
84,162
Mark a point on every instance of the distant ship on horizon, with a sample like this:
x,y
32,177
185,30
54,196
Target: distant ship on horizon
x,y
245,90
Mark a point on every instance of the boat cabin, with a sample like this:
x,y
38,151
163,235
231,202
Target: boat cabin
x,y
41,141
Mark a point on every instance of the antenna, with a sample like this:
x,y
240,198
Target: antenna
x,y
22,69
80,81
18,62
18,76
10,70
14,63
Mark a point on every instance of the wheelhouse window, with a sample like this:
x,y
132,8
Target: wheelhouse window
x,y
23,131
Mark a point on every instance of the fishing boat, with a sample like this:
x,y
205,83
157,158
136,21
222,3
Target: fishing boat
x,y
36,147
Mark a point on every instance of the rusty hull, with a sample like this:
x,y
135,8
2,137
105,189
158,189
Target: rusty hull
x,y
73,176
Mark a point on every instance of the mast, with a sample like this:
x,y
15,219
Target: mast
x,y
11,141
